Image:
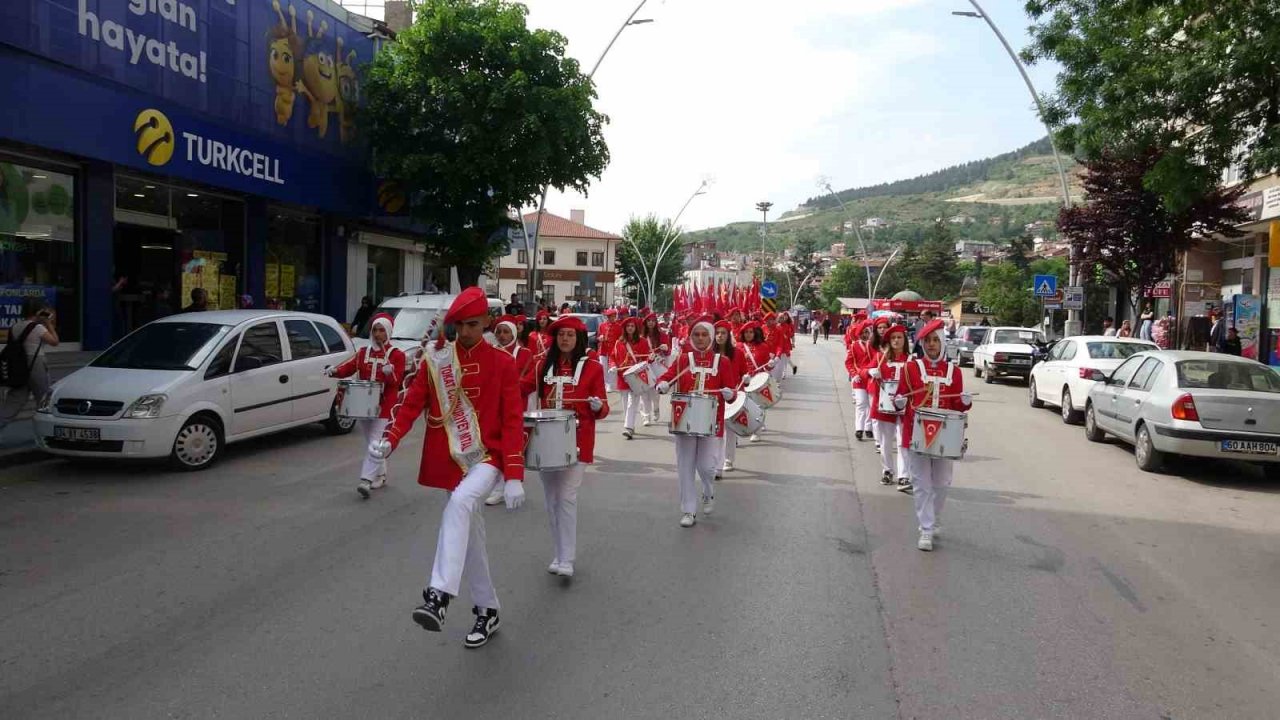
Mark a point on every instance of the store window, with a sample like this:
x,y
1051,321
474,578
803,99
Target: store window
x,y
293,261
39,252
384,276
582,258
597,259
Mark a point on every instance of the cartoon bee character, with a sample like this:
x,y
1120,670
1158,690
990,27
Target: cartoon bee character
x,y
283,48
348,94
319,83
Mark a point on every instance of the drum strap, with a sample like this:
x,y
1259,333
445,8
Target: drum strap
x,y
702,372
551,378
935,383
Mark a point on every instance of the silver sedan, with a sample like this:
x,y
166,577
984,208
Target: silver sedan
x,y
1167,403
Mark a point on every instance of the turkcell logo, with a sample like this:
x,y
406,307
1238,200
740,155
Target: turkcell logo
x,y
156,139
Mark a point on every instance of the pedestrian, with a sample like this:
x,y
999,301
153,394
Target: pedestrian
x,y
723,346
860,358
1231,345
1108,327
1126,330
568,379
474,438
756,356
1218,333
362,314
27,338
888,377
383,363
930,382
1148,318
515,307
199,301
813,330
700,370
630,351
826,327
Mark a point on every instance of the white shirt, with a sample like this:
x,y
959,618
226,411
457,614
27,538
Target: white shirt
x,y
33,340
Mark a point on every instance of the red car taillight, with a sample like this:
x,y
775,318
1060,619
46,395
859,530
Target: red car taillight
x,y
1001,357
1184,408
1086,373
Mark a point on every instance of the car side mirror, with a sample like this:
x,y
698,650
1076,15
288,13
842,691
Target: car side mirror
x,y
1098,376
248,362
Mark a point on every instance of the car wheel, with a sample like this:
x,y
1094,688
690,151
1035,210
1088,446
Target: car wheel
x,y
1148,457
1070,415
1091,430
198,443
1036,402
977,371
1271,471
987,376
337,424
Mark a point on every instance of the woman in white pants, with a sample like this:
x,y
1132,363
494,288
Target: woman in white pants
x,y
384,363
886,379
631,351
860,358
660,344
568,379
724,347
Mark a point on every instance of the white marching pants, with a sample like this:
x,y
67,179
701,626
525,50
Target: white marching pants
x,y
461,544
696,455
729,449
608,380
780,367
649,404
372,467
631,406
861,410
561,490
893,457
930,479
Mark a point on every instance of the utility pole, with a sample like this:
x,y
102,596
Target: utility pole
x,y
763,207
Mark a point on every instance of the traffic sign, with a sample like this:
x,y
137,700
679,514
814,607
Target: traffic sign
x,y
768,304
1045,285
1073,298
769,289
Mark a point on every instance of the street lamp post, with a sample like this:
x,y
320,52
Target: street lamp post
x,y
866,263
763,207
1073,316
673,233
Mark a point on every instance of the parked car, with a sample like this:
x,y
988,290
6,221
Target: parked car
x,y
1063,380
960,348
592,321
1167,403
1006,352
413,316
184,386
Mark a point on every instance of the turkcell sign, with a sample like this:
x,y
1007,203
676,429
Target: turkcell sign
x,y
229,158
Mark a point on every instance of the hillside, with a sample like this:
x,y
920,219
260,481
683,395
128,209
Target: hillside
x,y
991,199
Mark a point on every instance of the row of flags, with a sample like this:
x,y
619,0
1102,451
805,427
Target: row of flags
x,y
717,296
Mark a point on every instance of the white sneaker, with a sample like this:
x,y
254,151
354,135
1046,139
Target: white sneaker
x,y
926,541
379,482
495,497
554,567
708,504
646,422
566,569
755,437
628,433
687,520
728,465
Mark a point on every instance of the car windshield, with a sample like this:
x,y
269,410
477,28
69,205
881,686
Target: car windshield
x,y
1227,375
1015,337
408,323
1103,350
163,346
976,335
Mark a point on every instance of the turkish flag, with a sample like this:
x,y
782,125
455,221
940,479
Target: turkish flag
x,y
931,428
644,376
677,412
766,393
741,418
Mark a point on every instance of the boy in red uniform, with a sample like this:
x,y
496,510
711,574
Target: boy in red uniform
x,y
475,438
384,363
930,382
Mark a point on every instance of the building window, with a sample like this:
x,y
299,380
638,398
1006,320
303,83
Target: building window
x,y
549,295
597,259
39,255
548,257
522,257
522,290
595,293
582,258
293,261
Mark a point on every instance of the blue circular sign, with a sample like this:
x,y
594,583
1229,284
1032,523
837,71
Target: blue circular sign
x,y
769,290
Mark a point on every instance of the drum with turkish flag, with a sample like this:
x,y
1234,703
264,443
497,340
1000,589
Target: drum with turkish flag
x,y
939,433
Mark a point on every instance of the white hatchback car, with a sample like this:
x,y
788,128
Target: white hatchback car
x,y
184,386
1064,378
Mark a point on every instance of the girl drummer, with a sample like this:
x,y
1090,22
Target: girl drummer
x,y
723,346
631,350
505,337
660,344
381,362
698,371
886,379
930,382
862,356
757,357
566,378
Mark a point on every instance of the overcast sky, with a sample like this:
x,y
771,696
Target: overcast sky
x,y
765,96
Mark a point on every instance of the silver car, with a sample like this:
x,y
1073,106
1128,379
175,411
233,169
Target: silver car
x,y
960,348
1167,403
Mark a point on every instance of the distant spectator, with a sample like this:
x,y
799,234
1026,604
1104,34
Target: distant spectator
x,y
1109,327
1148,318
363,314
1126,330
199,301
1231,345
1218,333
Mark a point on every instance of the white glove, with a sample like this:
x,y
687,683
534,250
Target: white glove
x,y
966,398
900,402
595,404
388,370
746,378
380,449
875,373
770,364
857,379
663,387
513,494
328,372
727,393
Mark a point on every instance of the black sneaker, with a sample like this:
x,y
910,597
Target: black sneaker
x,y
430,614
794,369
858,435
487,624
904,486
886,478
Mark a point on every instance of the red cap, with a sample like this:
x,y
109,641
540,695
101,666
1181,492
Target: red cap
x,y
769,316
630,321
610,312
520,320
726,325
752,325
896,329
568,321
470,303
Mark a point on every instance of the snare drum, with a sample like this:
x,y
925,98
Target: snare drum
x,y
884,401
553,439
694,414
639,378
743,416
764,390
939,433
360,398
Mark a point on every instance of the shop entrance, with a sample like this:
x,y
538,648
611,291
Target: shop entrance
x,y
144,277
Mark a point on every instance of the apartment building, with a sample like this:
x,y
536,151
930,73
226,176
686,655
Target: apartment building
x,y
575,262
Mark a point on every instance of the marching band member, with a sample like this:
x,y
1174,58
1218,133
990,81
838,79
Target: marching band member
x,y
660,344
539,340
606,336
474,438
860,358
699,370
786,344
630,350
893,457
930,382
880,344
568,378
723,346
756,355
384,363
504,333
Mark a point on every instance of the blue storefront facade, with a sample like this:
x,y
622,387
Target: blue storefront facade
x,y
152,147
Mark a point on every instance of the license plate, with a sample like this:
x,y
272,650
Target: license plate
x,y
77,434
1249,447
1019,361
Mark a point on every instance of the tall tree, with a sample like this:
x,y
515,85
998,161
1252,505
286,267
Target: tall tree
x,y
846,279
1007,291
1020,249
1198,76
935,274
1129,231
473,113
649,234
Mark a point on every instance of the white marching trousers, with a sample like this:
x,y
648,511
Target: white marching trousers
x,y
930,479
862,410
695,456
780,367
461,544
372,467
893,457
631,405
729,449
561,490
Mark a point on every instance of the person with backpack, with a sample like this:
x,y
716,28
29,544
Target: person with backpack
x,y
22,364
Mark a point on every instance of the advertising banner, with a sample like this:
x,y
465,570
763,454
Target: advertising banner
x,y
13,296
1247,309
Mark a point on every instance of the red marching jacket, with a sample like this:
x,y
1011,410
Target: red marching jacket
x,y
918,395
686,382
362,365
755,356
860,358
590,384
626,354
888,371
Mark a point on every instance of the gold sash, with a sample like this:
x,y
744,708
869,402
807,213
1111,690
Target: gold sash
x,y
456,412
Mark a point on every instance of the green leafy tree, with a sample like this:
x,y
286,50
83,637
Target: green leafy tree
x,y
473,113
935,274
648,234
1020,249
1197,76
846,279
1007,291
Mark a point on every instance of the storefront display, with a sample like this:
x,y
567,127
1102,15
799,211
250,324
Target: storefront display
x,y
38,246
293,261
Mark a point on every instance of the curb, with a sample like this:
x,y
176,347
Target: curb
x,y
22,456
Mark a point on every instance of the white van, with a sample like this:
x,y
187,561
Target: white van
x,y
414,316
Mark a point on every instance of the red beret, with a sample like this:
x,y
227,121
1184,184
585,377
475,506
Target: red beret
x,y
568,321
470,303
610,312
725,324
931,327
896,329
631,321
752,325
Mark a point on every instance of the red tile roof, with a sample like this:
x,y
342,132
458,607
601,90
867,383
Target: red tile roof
x,y
556,226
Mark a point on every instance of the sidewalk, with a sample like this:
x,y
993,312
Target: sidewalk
x,y
17,444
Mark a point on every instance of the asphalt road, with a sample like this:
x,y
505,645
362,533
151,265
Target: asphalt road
x,y
1068,584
